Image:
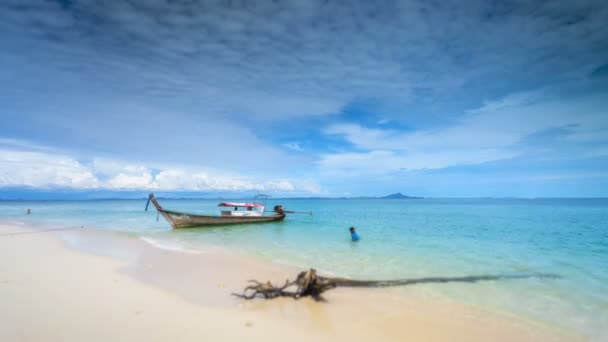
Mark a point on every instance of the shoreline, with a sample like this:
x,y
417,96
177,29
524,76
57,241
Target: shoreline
x,y
199,284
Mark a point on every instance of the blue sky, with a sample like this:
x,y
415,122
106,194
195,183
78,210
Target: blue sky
x,y
305,98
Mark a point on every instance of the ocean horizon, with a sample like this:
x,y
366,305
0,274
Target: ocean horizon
x,y
251,198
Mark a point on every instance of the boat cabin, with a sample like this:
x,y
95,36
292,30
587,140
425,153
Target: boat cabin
x,y
241,209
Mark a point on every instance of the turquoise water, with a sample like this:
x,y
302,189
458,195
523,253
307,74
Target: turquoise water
x,y
406,238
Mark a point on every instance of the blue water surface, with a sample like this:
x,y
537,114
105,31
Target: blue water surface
x,y
404,239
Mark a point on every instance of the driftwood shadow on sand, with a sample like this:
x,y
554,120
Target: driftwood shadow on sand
x,y
308,283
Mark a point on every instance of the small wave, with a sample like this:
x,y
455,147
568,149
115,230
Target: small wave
x,y
9,222
169,246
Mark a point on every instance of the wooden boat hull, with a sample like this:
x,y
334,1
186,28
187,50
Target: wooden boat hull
x,y
183,220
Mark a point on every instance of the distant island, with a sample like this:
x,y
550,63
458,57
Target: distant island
x,y
399,195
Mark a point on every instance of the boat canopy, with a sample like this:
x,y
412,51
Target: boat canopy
x,y
240,204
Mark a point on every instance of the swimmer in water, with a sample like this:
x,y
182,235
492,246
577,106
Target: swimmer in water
x,y
353,235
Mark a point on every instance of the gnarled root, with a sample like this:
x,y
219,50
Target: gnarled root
x,y
308,283
266,290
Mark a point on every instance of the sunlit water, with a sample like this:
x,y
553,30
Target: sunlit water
x,y
404,239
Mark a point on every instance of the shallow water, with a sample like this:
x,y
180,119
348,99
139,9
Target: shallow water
x,y
404,239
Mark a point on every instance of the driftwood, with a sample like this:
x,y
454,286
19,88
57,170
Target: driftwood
x,y
308,283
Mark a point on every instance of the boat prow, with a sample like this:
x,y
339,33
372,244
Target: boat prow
x,y
184,220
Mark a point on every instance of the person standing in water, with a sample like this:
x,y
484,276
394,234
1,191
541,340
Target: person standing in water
x,y
353,235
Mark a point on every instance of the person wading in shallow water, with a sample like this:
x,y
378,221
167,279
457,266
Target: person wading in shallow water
x,y
353,235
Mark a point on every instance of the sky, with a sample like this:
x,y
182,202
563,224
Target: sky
x,y
304,98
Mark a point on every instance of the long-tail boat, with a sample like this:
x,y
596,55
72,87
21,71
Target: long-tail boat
x,y
230,214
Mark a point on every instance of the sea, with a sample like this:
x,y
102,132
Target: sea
x,y
409,238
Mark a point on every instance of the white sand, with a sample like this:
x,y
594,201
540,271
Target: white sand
x,y
122,289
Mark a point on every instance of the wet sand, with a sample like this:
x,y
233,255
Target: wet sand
x,y
88,285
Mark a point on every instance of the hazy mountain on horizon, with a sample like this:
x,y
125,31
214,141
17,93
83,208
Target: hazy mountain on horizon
x,y
399,195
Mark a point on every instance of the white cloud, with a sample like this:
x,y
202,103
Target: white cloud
x,y
383,161
497,124
105,167
310,186
173,179
52,170
280,185
286,59
130,181
493,132
36,169
211,83
293,146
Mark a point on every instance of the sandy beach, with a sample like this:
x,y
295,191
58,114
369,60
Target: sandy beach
x,y
89,285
